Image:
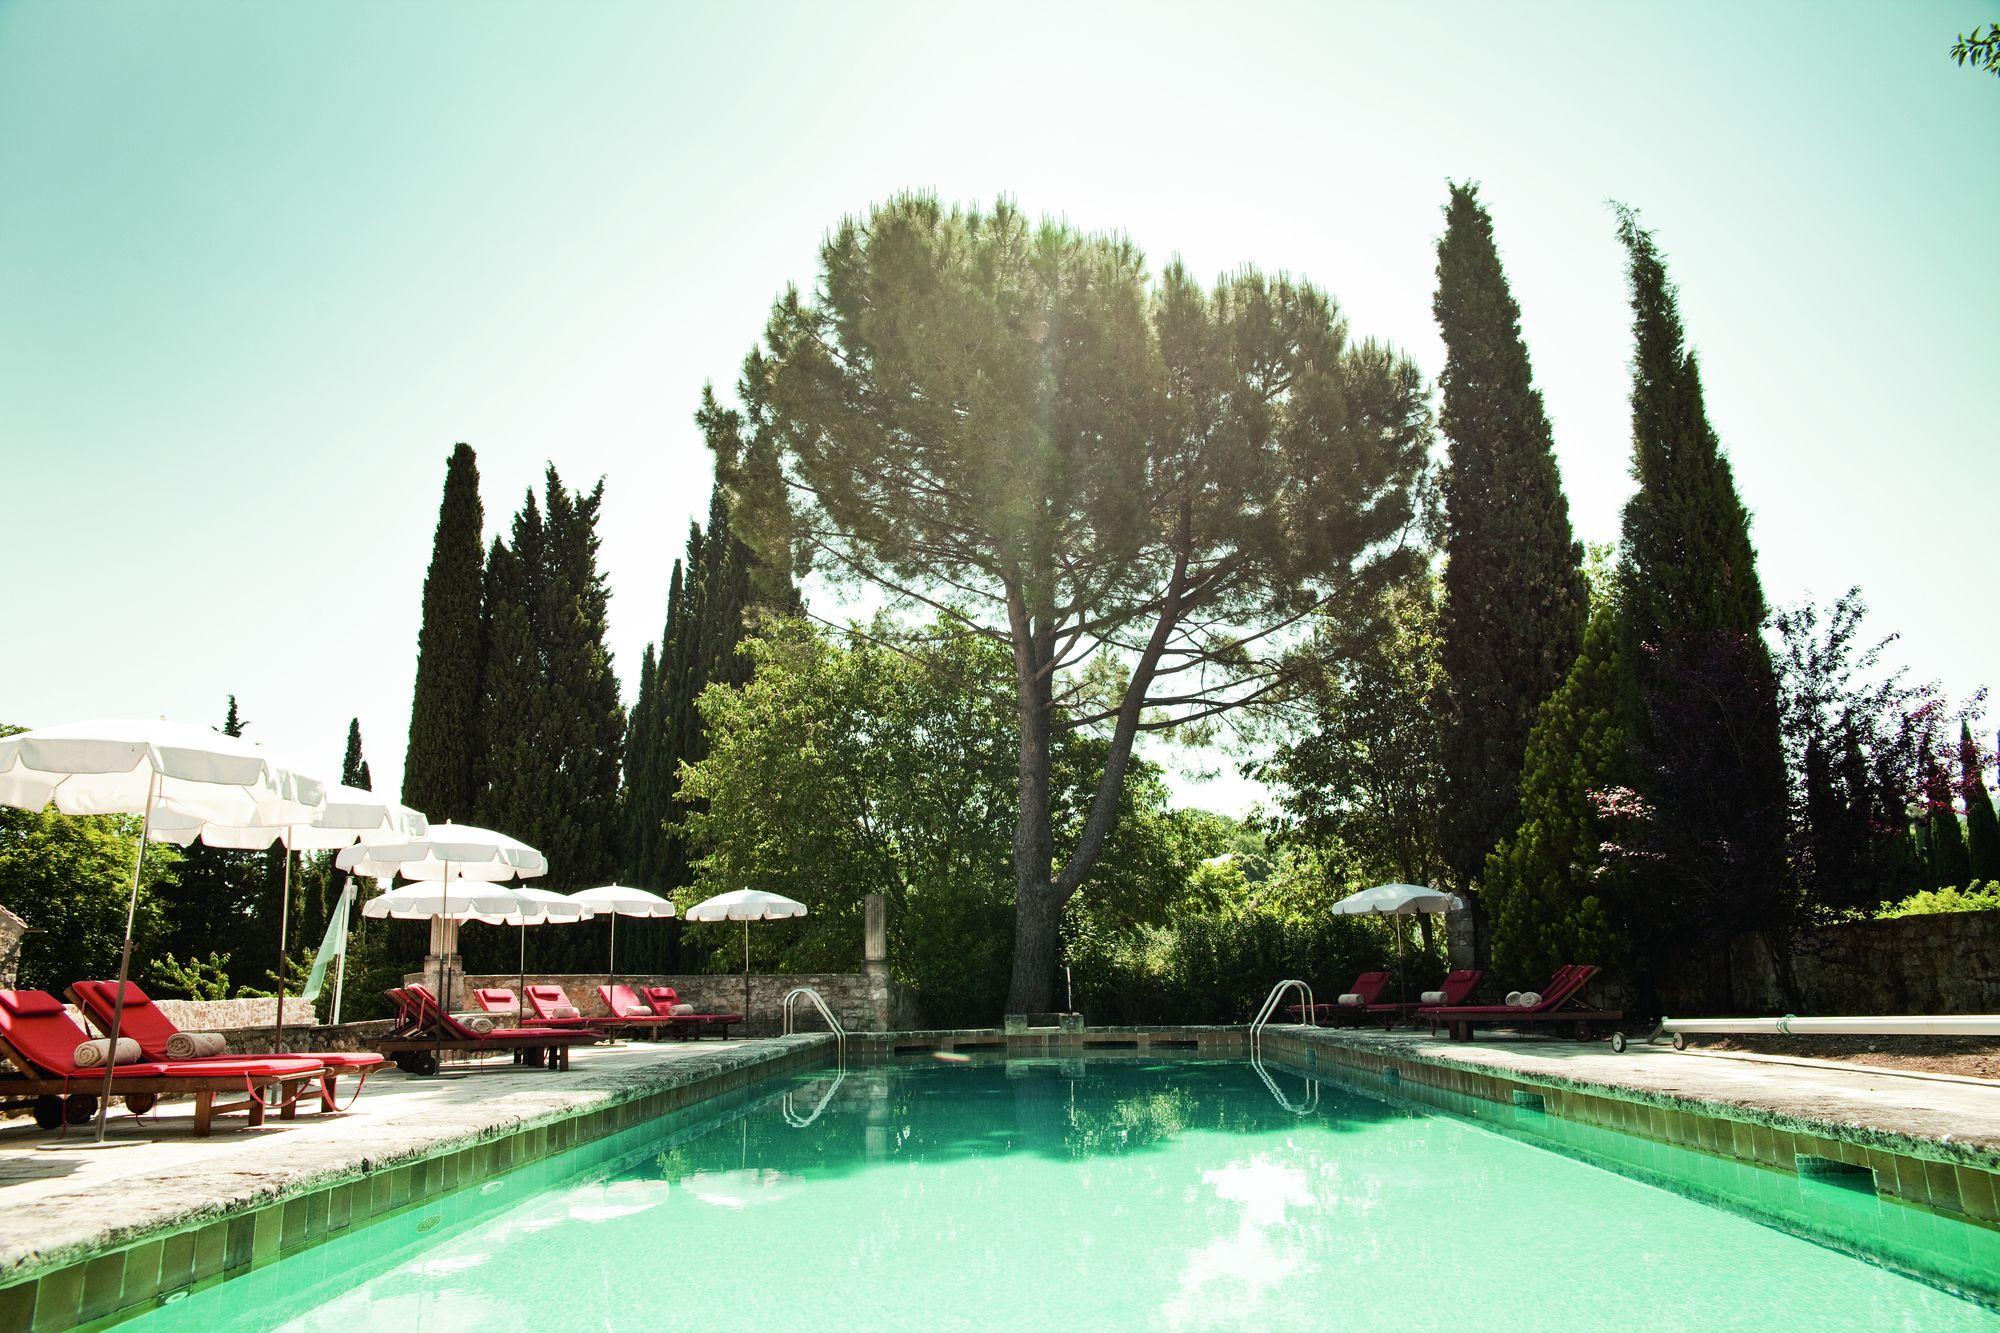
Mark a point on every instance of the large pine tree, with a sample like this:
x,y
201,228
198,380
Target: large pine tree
x,y
439,766
1514,595
1710,766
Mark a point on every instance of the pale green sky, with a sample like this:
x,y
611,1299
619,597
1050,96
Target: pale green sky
x,y
260,265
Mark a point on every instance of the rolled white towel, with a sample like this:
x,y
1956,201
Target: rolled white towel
x,y
480,1023
90,1054
563,1011
196,1045
1525,999
1514,998
1432,997
1350,998
683,1008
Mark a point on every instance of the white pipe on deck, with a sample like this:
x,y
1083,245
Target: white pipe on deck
x,y
1886,1025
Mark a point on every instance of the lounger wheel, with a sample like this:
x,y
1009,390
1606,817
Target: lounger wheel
x,y
1617,1042
138,1103
79,1107
1680,1041
49,1111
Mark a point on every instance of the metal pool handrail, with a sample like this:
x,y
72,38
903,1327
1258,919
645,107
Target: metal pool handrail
x,y
792,997
1263,1017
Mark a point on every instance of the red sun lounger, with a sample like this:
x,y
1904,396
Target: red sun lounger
x,y
38,1037
627,1012
424,1029
1457,986
1369,986
1556,1006
146,1023
664,999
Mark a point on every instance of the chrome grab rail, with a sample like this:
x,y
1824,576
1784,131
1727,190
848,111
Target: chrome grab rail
x,y
792,997
1312,1090
1263,1017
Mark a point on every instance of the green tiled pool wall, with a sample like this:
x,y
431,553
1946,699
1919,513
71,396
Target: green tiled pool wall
x,y
1934,1219
109,1288
1214,1042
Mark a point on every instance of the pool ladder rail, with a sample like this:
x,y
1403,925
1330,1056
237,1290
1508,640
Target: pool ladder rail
x,y
792,998
1271,1001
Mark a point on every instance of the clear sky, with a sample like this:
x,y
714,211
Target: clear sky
x,y
261,264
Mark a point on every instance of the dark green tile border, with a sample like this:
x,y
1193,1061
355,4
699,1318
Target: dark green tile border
x,y
105,1289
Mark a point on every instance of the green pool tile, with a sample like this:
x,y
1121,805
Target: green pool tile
x,y
17,1305
268,1237
143,1265
57,1297
177,1260
1977,1192
1943,1183
242,1236
103,1286
211,1249
292,1229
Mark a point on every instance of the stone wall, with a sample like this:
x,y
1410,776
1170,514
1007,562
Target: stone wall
x,y
1944,964
862,1001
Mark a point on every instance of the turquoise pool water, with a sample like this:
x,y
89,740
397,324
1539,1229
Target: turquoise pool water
x,y
1107,1194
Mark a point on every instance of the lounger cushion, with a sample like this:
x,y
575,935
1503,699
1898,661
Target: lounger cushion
x,y
30,1003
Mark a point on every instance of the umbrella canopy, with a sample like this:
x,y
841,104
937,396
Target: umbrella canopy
x,y
619,900
347,816
444,902
1398,900
128,766
543,907
745,905
448,851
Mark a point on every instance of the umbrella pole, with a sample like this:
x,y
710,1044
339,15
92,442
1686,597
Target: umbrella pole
x,y
284,929
444,975
521,995
125,956
746,972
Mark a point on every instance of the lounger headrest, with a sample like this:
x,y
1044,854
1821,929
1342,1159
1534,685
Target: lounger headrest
x,y
29,1003
108,991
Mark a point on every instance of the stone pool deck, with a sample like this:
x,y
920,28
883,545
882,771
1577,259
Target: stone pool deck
x,y
86,1234
1945,1119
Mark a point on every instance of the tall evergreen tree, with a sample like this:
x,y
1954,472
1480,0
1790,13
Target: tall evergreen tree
x,y
1551,898
1949,864
1514,595
1982,826
440,763
553,725
1710,773
353,768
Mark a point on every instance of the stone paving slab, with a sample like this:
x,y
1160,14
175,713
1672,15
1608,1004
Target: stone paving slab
x,y
57,1206
1946,1119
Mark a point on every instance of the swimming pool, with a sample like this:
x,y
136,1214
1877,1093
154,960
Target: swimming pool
x,y
1109,1193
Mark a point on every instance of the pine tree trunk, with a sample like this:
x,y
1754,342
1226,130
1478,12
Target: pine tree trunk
x,y
1036,906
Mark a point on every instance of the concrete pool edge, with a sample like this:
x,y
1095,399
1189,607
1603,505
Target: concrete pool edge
x,y
118,1273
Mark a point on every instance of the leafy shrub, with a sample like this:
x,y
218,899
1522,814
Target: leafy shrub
x,y
1935,902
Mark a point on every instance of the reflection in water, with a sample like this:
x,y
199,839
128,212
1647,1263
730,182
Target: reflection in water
x,y
1230,1274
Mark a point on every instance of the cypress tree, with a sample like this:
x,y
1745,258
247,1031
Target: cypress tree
x,y
1949,865
442,758
353,768
1711,767
1982,826
1551,897
553,726
1514,594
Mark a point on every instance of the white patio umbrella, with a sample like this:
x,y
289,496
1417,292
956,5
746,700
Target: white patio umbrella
x,y
446,854
348,815
128,766
618,900
1398,900
542,907
745,905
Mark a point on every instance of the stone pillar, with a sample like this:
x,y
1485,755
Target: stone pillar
x,y
875,960
444,953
